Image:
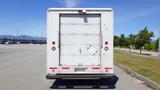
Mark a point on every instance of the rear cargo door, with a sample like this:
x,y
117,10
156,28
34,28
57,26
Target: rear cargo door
x,y
80,39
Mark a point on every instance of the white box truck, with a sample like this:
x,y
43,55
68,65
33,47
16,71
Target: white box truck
x,y
79,43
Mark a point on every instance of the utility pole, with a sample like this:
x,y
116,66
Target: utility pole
x,y
159,45
17,33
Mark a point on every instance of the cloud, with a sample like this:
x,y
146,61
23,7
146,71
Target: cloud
x,y
69,3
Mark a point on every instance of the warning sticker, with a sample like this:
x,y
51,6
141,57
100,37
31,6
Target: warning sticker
x,y
92,50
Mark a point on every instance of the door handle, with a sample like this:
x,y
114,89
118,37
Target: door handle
x,y
80,51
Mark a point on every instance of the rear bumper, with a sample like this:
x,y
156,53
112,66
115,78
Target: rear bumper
x,y
79,76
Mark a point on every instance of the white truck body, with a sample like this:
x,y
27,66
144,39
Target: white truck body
x,y
79,42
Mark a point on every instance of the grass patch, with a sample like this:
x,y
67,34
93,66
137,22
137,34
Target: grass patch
x,y
146,66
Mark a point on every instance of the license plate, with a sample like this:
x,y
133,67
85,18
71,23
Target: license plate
x,y
79,69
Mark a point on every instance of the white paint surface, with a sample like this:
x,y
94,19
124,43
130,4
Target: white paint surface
x,y
80,39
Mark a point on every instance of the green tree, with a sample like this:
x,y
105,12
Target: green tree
x,y
150,46
116,40
123,42
157,44
131,41
143,37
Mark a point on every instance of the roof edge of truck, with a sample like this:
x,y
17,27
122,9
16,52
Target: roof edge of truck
x,y
54,9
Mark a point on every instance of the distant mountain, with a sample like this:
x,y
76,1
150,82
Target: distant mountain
x,y
7,36
22,37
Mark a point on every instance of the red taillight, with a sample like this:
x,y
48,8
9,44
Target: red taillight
x,y
52,67
53,42
95,67
65,68
106,42
107,68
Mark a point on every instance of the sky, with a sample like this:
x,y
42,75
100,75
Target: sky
x,y
29,16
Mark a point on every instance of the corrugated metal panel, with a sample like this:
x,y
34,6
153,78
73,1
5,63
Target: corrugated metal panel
x,y
78,49
80,60
82,29
80,39
80,19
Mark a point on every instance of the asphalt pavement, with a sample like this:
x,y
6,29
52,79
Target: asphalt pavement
x,y
23,67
